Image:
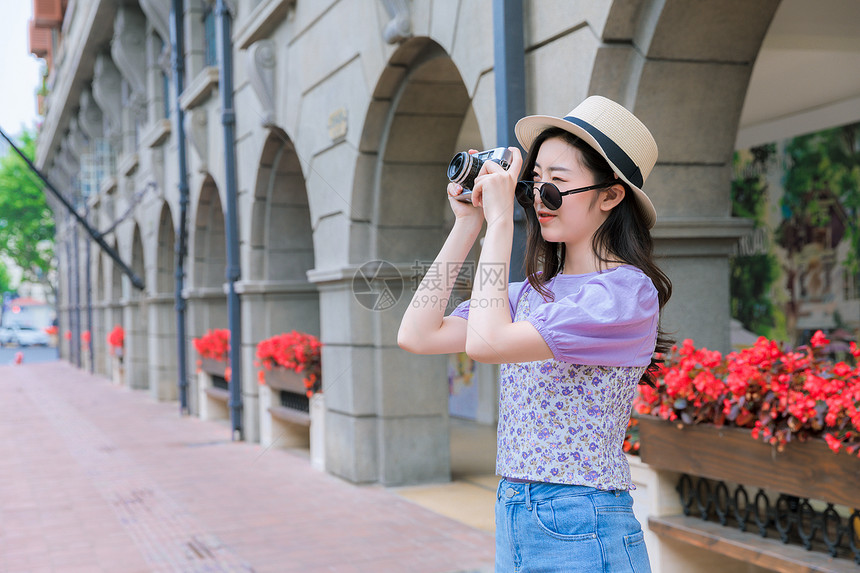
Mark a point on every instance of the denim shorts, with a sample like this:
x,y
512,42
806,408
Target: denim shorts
x,y
547,528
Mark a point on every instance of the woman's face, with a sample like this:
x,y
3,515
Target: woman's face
x,y
579,216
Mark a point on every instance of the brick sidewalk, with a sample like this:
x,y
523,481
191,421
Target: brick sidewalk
x,y
94,477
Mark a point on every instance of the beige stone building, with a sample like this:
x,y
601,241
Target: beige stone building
x,y
347,113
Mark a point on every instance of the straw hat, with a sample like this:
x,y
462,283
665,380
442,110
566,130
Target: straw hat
x,y
614,132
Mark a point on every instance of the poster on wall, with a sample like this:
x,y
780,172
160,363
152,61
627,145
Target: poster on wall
x,y
798,270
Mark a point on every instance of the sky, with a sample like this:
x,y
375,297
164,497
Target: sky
x,y
21,71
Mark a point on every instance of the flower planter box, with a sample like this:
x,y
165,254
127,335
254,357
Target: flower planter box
x,y
283,379
804,469
291,427
727,454
213,399
117,369
213,366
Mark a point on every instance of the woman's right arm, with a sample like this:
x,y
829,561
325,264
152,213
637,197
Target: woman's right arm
x,y
425,329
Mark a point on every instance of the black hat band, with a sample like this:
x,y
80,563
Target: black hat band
x,y
614,153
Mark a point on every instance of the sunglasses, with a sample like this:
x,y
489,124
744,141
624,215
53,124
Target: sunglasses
x,y
550,195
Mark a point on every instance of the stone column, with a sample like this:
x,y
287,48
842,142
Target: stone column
x,y
207,309
386,410
695,255
99,339
270,308
161,355
112,316
136,363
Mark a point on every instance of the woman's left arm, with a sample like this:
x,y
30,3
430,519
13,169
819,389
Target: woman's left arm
x,y
492,337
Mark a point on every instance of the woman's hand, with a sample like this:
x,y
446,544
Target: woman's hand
x,y
464,211
495,187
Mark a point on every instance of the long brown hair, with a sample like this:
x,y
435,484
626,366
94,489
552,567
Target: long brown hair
x,y
623,237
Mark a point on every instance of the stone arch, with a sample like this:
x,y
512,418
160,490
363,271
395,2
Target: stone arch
x,y
136,319
162,344
116,278
423,123
281,237
113,312
207,302
210,247
419,109
99,335
280,251
138,266
165,255
685,73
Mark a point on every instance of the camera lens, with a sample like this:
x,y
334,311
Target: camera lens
x,y
463,169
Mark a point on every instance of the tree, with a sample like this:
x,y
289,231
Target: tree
x,y
26,221
5,280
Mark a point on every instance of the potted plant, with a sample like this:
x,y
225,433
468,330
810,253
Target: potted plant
x,y
116,342
788,420
214,350
52,332
284,354
292,412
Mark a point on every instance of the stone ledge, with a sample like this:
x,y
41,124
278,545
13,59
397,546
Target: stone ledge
x,y
747,547
199,88
273,287
203,292
699,236
261,21
701,228
161,297
157,135
108,186
346,273
289,415
128,163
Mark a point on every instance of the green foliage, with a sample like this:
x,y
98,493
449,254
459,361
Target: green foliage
x,y
5,279
26,222
752,274
822,182
749,189
750,281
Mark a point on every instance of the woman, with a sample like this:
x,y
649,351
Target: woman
x,y
574,339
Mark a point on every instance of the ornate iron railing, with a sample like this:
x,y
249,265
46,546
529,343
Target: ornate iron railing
x,y
791,519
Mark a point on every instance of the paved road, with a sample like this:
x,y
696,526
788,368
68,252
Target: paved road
x,y
32,354
99,478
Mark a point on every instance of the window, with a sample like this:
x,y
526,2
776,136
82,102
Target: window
x,y
210,53
165,86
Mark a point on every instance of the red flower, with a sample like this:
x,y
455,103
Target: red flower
x,y
780,395
295,351
85,337
214,344
116,338
818,339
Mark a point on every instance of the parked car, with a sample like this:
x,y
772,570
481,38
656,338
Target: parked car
x,y
22,335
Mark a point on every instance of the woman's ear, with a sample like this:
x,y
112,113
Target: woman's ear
x,y
612,197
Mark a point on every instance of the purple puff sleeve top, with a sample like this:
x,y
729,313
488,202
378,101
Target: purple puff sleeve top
x,y
606,318
563,420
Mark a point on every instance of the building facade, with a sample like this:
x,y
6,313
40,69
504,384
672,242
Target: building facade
x,y
347,113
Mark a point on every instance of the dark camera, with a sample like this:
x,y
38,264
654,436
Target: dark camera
x,y
465,167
